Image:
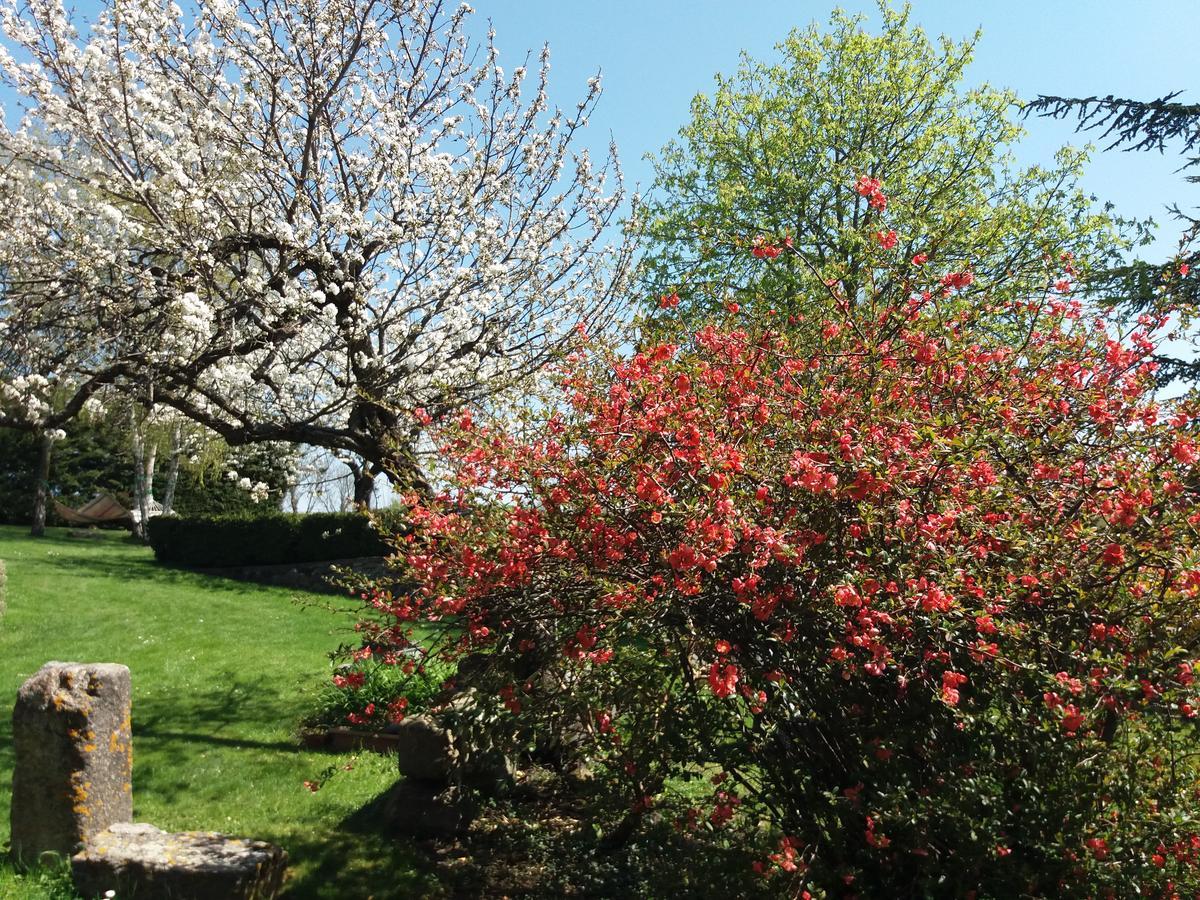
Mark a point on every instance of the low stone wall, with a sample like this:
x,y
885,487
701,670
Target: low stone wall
x,y
311,576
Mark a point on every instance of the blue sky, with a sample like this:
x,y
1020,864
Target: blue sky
x,y
655,55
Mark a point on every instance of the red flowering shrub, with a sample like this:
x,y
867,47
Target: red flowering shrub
x,y
915,598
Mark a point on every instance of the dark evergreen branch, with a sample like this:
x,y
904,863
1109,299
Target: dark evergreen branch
x,y
1132,124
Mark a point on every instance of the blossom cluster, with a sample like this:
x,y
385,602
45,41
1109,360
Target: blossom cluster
x,y
183,219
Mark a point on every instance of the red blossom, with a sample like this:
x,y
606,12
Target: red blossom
x,y
892,515
951,682
723,679
886,239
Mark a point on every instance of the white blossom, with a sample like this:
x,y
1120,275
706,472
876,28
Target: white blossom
x,y
291,240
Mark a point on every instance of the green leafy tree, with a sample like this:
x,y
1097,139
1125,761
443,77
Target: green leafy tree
x,y
95,457
777,149
92,458
205,488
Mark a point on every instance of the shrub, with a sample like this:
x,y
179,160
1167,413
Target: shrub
x,y
374,690
911,587
205,541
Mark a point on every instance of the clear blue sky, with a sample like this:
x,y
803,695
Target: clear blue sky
x,y
656,54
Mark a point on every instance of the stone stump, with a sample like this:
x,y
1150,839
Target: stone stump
x,y
441,773
144,861
73,757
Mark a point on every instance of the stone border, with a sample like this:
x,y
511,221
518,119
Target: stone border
x,y
349,740
305,576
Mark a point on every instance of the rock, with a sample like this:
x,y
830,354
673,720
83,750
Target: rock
x,y
470,667
424,809
144,861
73,757
425,749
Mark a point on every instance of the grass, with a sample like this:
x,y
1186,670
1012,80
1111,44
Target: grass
x,y
222,673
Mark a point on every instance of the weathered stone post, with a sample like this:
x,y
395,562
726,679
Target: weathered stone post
x,y
73,761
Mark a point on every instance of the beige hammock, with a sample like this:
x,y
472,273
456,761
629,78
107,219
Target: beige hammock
x,y
104,510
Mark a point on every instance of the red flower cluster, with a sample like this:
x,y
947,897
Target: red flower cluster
x,y
764,249
872,189
886,239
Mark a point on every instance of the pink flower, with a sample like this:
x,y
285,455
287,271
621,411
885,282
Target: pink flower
x,y
951,682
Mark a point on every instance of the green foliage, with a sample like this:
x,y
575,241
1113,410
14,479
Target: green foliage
x,y
776,150
271,539
205,490
18,462
93,458
1131,124
1138,286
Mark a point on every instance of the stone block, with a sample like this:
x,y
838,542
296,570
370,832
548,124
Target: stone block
x,y
425,809
144,861
73,757
425,749
428,750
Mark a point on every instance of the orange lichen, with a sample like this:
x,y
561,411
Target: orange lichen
x,y
79,794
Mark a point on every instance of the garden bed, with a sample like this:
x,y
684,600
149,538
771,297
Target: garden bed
x,y
348,740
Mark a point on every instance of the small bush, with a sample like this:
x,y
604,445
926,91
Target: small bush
x,y
364,693
219,541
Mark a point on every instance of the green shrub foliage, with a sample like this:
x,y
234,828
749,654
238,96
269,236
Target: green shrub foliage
x,y
220,541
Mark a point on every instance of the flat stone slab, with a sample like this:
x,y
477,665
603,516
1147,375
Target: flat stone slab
x,y
73,757
143,861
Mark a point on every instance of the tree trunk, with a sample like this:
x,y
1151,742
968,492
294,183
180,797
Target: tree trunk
x,y
364,487
173,471
42,486
143,463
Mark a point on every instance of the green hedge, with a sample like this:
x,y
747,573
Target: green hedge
x,y
219,541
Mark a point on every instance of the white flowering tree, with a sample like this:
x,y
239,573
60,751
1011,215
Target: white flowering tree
x,y
301,220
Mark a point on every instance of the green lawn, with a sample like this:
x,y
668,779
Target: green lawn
x,y
222,672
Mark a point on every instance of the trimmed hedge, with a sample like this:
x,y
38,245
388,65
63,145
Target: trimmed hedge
x,y
222,541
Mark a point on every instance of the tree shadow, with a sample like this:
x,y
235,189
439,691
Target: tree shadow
x,y
361,858
167,727
151,571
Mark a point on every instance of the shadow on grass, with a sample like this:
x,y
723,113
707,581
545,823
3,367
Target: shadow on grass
x,y
126,569
362,858
231,700
231,715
